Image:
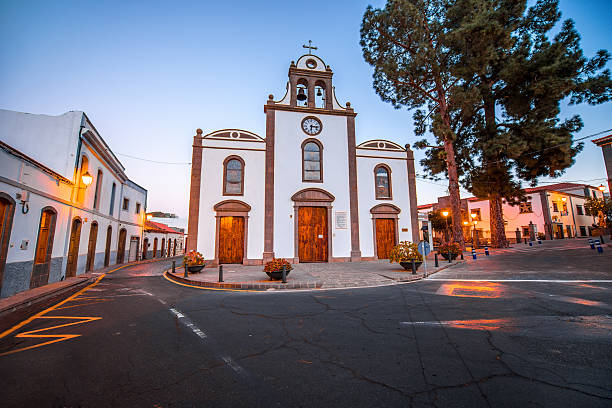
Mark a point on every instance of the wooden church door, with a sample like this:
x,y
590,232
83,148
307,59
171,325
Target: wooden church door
x,y
385,237
312,234
231,240
91,249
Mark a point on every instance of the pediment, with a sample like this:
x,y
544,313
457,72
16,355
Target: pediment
x,y
313,194
238,135
385,209
381,145
232,206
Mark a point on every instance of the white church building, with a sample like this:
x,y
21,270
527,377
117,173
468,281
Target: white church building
x,y
304,192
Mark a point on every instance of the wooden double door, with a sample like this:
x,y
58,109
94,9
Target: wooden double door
x,y
312,234
231,240
385,237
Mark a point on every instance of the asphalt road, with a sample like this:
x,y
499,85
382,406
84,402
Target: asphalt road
x,y
144,342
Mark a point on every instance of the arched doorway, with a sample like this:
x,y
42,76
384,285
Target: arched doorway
x,y
169,246
154,247
7,211
145,248
174,250
121,245
386,233
107,249
162,249
73,250
91,247
44,247
312,225
231,231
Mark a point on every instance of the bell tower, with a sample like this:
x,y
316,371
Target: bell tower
x,y
310,83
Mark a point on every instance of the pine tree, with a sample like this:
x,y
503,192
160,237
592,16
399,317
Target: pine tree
x,y
521,77
404,42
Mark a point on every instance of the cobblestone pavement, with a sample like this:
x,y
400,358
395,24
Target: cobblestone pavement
x,y
313,275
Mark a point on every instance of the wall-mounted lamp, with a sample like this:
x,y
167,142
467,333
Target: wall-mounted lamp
x,y
87,179
445,213
601,188
564,199
473,215
149,216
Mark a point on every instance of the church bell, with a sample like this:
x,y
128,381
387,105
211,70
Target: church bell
x,y
301,96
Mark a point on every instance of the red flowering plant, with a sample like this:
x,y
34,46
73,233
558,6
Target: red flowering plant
x,y
276,265
449,247
193,258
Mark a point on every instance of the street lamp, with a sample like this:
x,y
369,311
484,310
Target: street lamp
x,y
445,214
601,188
149,216
87,179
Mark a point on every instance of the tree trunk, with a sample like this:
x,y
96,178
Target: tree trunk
x,y
451,166
496,212
498,229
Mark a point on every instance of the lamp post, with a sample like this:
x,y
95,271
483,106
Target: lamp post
x,y
87,179
445,215
473,215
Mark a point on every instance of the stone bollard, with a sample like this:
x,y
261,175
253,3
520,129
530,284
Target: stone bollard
x,y
450,257
220,273
525,241
486,250
598,245
284,274
413,267
186,275
436,259
462,255
173,266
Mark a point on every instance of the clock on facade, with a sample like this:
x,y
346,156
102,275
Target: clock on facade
x,y
311,125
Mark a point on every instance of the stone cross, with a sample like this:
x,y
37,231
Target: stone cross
x,y
310,47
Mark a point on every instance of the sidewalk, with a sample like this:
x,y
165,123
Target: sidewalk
x,y
308,275
15,308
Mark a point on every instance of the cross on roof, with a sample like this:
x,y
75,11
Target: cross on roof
x,y
310,47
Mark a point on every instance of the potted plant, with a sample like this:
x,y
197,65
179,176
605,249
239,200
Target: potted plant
x,y
404,252
194,261
274,268
452,248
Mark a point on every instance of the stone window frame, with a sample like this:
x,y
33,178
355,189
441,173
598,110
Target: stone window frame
x,y
318,143
125,206
579,209
386,167
225,163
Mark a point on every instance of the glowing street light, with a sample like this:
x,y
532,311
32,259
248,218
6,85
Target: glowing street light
x,y
445,213
87,179
601,188
149,216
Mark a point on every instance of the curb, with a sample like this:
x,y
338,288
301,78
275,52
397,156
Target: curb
x,y
243,285
262,286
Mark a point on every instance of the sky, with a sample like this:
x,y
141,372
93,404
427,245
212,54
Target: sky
x,y
149,73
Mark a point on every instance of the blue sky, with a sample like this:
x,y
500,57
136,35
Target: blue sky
x,y
149,73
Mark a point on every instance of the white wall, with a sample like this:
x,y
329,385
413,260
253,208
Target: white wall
x,y
211,193
367,195
51,140
288,177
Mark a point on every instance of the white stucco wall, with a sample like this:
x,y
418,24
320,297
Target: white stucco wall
x,y
367,195
211,192
288,177
51,140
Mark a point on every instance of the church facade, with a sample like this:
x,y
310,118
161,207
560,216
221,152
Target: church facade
x,y
304,192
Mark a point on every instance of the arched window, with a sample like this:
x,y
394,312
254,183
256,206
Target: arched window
x,y
81,186
98,192
312,161
233,176
382,182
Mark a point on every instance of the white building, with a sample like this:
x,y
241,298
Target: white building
x,y
305,192
556,210
66,204
161,240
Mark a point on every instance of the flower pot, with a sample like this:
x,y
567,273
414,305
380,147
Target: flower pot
x,y
408,265
445,256
277,275
195,268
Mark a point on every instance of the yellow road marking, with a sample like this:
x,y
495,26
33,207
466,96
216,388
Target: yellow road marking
x,y
82,304
41,315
